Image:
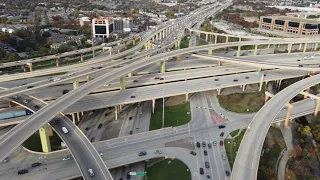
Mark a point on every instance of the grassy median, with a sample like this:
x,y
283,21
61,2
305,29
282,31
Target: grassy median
x,y
232,145
173,116
169,170
242,102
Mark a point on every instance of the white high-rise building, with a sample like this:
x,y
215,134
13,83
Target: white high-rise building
x,y
102,27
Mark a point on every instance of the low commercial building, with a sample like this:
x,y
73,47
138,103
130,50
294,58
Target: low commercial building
x,y
290,25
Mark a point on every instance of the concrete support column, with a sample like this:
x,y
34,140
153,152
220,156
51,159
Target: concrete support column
x,y
210,52
227,39
300,46
179,44
268,46
307,90
315,46
266,98
146,46
279,85
73,118
88,78
162,66
110,51
317,108
261,82
78,116
75,84
30,66
255,50
134,42
44,137
215,39
153,105
129,74
93,53
178,58
125,45
239,39
286,122
118,48
24,68
81,57
57,62
243,87
289,48
122,83
273,48
187,97
206,37
305,47
116,112
219,63
239,51
219,91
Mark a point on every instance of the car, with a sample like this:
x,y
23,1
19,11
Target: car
x,y
223,156
228,173
158,151
66,158
6,160
56,79
205,152
193,153
65,91
208,177
198,144
221,126
207,164
161,78
15,97
23,171
300,65
247,77
100,125
135,80
204,144
101,154
216,79
50,79
92,139
137,129
235,80
214,143
70,74
201,171
99,67
142,153
36,107
133,96
130,132
87,128
26,101
221,134
90,172
106,85
57,121
221,143
30,87
36,164
209,146
156,78
64,130
130,118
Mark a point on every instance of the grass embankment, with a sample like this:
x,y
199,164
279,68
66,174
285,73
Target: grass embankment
x,y
173,116
242,102
232,145
175,170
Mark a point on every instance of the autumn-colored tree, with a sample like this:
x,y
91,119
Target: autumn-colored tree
x,y
4,36
306,130
298,150
290,175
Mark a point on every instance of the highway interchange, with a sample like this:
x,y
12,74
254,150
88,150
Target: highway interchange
x,y
148,88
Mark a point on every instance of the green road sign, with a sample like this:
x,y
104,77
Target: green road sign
x,y
141,173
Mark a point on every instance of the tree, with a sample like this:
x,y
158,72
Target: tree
x,y
298,150
290,175
4,36
3,20
76,12
316,132
12,56
170,13
2,53
306,130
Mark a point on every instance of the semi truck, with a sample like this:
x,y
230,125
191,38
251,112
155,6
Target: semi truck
x,y
8,115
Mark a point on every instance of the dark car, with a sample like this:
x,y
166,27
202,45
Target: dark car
x,y
65,91
99,67
133,96
203,144
128,176
36,164
201,171
207,164
161,78
221,143
208,177
198,144
87,128
227,173
130,118
193,153
57,120
221,134
100,125
92,139
30,87
209,146
130,132
235,80
23,171
205,152
135,80
142,153
221,126
36,107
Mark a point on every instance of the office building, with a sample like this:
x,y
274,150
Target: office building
x,y
102,27
127,24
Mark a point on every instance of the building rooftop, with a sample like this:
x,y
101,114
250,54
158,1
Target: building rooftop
x,y
295,19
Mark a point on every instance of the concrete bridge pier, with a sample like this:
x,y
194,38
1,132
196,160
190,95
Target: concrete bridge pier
x,y
187,97
134,42
315,46
210,52
243,87
57,62
239,51
162,66
215,39
81,57
279,85
75,84
122,83
118,48
300,46
239,39
116,112
219,63
219,91
305,47
153,104
273,49
130,74
261,82
255,50
73,118
44,137
227,39
24,68
286,122
206,37
317,108
289,48
30,66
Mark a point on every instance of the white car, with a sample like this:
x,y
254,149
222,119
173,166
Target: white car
x,y
158,151
66,158
106,85
56,79
70,74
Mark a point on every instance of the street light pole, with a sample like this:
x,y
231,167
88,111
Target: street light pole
x,y
164,74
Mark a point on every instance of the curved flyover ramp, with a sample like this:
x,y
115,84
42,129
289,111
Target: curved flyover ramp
x,y
247,160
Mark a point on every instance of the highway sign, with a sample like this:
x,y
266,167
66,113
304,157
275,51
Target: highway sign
x,y
138,173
